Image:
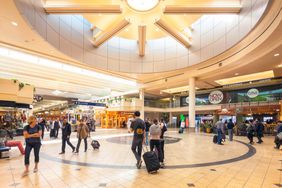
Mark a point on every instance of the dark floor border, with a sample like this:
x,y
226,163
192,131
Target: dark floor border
x,y
251,151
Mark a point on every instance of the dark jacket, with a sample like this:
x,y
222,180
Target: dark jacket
x,y
259,128
230,125
279,129
66,130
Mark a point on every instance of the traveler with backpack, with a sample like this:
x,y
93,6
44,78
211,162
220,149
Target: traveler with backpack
x,y
82,133
250,131
138,127
66,132
230,126
32,133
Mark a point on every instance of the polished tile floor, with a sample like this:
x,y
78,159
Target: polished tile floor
x,y
191,159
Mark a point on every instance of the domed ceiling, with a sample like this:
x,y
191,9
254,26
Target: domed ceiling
x,y
142,36
141,20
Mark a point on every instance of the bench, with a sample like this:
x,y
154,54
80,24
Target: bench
x,y
4,152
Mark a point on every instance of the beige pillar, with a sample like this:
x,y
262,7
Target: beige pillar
x,y
192,101
141,97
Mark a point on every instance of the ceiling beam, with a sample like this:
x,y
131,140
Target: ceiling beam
x,y
110,32
172,9
173,32
142,39
108,9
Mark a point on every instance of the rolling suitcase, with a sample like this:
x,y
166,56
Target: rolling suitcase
x,y
180,131
214,139
151,161
95,144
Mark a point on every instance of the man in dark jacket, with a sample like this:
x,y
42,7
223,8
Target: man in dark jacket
x,y
66,132
259,130
138,127
230,126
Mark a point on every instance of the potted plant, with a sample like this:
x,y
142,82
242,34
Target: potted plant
x,y
208,128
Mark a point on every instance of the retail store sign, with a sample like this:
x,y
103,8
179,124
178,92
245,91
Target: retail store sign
x,y
215,97
187,100
89,103
252,93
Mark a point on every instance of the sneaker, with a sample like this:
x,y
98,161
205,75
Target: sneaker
x,y
35,170
220,144
162,165
61,153
76,152
73,149
139,164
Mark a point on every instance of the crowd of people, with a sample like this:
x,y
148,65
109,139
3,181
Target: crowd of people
x,y
141,132
145,133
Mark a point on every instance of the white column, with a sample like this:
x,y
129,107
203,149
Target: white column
x,y
192,101
141,97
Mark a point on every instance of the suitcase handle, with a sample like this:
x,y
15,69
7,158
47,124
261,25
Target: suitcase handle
x,y
146,150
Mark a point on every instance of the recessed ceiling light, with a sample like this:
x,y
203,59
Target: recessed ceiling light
x,y
99,14
157,29
275,55
236,74
14,23
280,66
126,30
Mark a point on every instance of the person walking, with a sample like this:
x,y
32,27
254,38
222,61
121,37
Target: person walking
x,y
155,133
278,137
32,133
147,128
82,133
220,128
138,127
230,126
162,141
259,130
56,126
66,132
250,131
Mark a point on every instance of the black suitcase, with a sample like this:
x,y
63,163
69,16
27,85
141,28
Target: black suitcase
x,y
180,131
151,161
214,139
95,144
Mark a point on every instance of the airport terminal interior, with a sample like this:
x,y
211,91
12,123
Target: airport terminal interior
x,y
140,93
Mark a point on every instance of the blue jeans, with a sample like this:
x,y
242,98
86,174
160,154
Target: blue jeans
x,y
147,139
219,136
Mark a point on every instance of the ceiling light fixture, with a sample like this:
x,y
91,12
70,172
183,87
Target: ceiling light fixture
x,y
275,55
56,92
14,24
142,5
280,66
236,74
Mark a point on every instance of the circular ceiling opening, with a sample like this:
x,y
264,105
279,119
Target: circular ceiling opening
x,y
142,5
